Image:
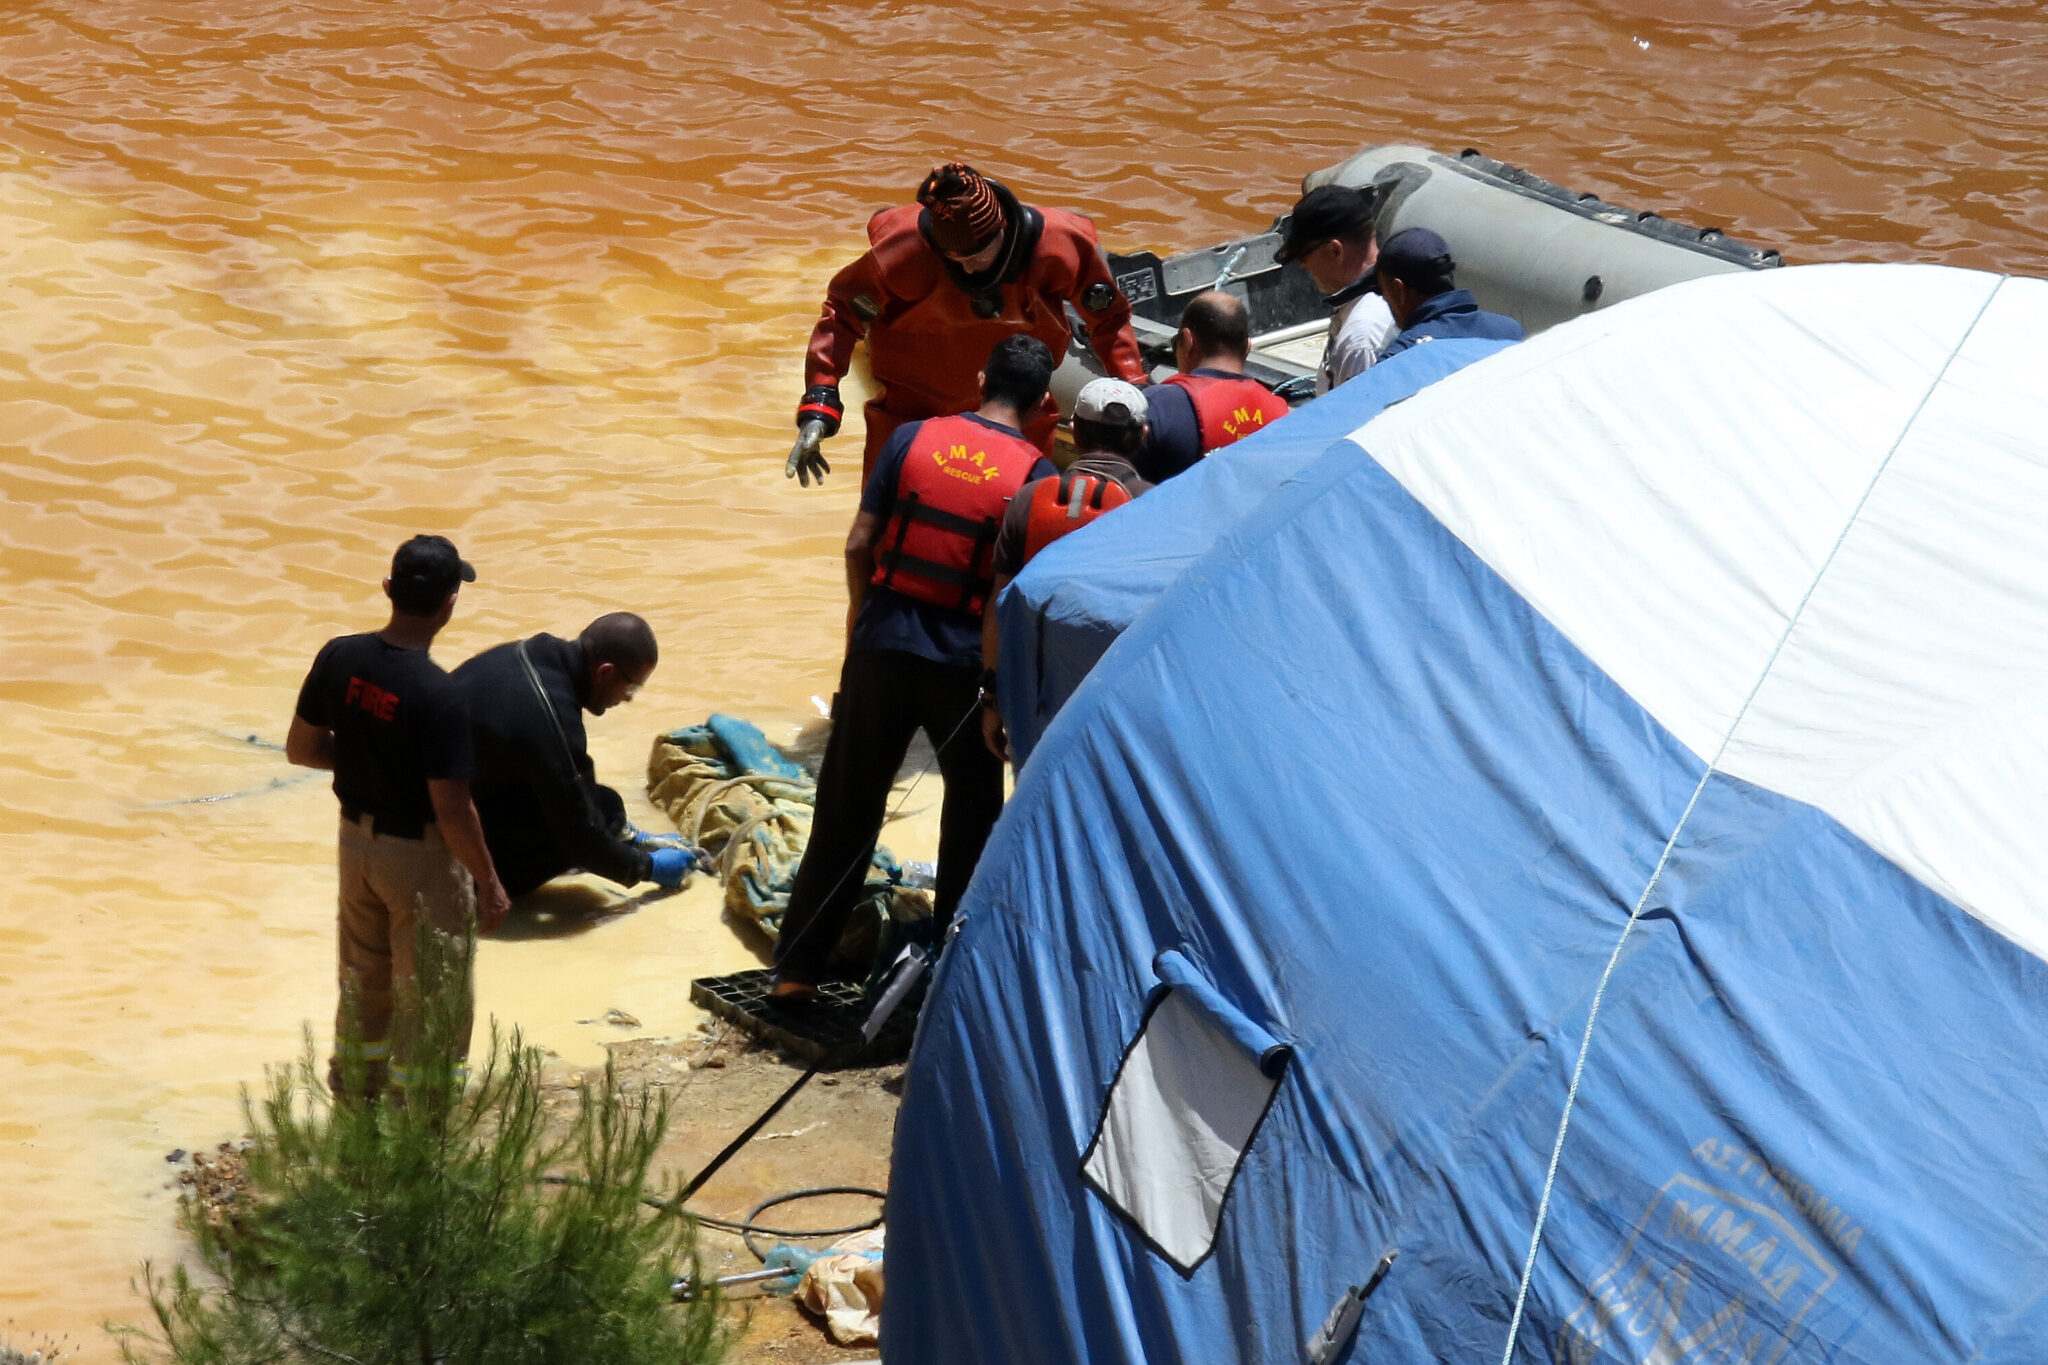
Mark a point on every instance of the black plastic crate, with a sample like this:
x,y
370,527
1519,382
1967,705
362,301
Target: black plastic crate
x,y
828,1029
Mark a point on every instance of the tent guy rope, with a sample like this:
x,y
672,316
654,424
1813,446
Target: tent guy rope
x,y
1664,856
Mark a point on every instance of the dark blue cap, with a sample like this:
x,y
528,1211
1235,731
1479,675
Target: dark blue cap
x,y
1418,257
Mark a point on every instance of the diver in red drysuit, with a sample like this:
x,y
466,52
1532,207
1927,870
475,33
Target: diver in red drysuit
x,y
943,280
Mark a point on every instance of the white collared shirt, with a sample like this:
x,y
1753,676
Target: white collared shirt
x,y
1357,331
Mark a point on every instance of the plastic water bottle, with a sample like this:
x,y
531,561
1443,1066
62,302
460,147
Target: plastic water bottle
x,y
920,876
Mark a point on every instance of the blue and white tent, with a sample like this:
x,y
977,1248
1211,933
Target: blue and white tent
x,y
1583,833
1076,597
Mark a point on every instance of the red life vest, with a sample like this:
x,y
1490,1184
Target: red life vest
x,y
1067,504
1230,409
958,477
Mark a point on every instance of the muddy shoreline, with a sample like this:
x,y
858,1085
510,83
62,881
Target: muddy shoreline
x,y
836,1131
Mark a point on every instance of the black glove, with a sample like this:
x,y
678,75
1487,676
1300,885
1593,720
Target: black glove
x,y
821,401
816,418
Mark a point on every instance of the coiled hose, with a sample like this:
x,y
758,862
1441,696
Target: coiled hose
x,y
748,1228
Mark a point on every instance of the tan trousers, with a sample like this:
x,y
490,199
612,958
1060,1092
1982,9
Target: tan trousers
x,y
388,885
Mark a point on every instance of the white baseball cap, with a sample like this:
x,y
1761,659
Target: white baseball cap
x,y
1111,402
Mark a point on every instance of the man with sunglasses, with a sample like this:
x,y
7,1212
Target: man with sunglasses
x,y
943,280
1331,235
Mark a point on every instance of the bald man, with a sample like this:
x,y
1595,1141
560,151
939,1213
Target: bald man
x,y
544,811
1211,403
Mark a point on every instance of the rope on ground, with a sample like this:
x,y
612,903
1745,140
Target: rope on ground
x,y
1571,1096
732,794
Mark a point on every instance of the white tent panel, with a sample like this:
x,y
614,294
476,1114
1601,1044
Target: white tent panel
x,y
1674,540
1911,699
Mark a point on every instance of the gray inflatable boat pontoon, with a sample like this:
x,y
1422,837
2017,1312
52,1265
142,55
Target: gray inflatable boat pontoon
x,y
1525,247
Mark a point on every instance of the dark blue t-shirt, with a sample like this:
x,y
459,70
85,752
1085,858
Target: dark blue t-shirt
x,y
1175,441
890,620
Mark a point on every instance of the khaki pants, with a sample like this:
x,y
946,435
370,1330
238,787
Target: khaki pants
x,y
388,885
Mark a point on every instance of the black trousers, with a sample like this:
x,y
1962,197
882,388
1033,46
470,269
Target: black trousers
x,y
885,697
526,848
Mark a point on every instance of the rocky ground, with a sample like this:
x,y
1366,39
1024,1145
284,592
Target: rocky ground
x,y
42,1350
835,1132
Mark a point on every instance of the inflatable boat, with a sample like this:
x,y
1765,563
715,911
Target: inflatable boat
x,y
1525,247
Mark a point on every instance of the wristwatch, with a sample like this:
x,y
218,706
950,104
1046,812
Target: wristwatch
x,y
988,688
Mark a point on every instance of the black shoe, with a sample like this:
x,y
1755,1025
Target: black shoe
x,y
794,997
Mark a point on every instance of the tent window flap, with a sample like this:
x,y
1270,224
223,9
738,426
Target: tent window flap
x,y
1180,1117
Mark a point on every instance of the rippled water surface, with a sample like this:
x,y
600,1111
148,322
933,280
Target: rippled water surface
x,y
283,283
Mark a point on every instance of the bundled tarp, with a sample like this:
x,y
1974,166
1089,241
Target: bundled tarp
x,y
1644,727
1074,598
733,795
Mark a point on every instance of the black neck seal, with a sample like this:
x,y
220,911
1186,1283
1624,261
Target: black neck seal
x,y
1022,228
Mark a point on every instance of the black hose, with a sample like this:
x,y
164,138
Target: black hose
x,y
907,967
746,1227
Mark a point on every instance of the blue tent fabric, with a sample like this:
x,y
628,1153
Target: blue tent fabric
x,y
1398,819
1067,607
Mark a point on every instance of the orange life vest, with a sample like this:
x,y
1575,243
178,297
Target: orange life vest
x,y
958,477
1067,504
1229,410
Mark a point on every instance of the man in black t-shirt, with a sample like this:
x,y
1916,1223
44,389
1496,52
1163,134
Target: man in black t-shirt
x,y
394,729
544,811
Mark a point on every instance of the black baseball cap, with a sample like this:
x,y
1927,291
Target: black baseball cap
x,y
1324,212
1416,256
428,566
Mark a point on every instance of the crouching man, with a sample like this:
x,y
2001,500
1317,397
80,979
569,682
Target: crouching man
x,y
544,811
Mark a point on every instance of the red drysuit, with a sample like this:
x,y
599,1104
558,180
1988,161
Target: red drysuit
x,y
926,339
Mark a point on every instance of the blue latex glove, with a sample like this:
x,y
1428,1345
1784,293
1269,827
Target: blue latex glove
x,y
672,865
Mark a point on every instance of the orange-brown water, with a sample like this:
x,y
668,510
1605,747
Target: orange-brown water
x,y
281,283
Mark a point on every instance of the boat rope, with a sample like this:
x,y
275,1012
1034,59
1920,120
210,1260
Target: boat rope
x,y
1664,856
700,805
274,784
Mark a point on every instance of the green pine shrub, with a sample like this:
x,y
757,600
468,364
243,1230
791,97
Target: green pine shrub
x,y
420,1232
